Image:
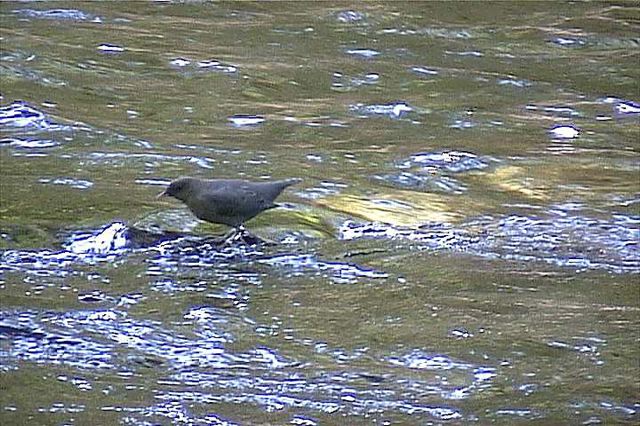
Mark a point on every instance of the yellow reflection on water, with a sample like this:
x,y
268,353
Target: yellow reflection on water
x,y
519,180
402,208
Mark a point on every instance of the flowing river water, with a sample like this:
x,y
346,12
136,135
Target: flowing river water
x,y
463,247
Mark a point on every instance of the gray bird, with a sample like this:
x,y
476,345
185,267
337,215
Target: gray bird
x,y
229,202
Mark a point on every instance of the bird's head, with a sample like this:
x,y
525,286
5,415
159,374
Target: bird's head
x,y
179,188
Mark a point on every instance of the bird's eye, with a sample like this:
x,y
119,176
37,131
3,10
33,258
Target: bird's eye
x,y
177,187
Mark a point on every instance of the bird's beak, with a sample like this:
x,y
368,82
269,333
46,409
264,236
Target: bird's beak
x,y
162,194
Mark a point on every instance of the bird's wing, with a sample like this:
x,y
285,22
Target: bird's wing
x,y
240,200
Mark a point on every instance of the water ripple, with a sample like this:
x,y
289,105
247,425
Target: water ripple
x,y
21,115
168,252
564,131
451,161
150,159
29,143
277,401
243,121
350,16
339,272
205,65
622,108
394,110
424,71
71,182
363,53
571,241
110,48
32,343
568,41
344,82
217,66
554,110
58,14
429,170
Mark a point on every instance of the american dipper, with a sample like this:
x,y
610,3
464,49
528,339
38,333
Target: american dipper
x,y
227,201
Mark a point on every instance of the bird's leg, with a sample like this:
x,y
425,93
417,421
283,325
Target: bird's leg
x,y
251,239
230,235
236,234
240,235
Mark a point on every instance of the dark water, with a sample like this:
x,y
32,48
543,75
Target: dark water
x,y
463,248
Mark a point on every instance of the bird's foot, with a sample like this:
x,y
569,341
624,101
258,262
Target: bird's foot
x,y
240,236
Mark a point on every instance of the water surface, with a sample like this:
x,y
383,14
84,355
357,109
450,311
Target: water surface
x,y
463,248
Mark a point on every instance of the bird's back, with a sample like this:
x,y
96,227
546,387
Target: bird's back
x,y
234,201
271,190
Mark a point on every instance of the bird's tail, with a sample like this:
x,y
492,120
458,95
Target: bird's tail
x,y
292,181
